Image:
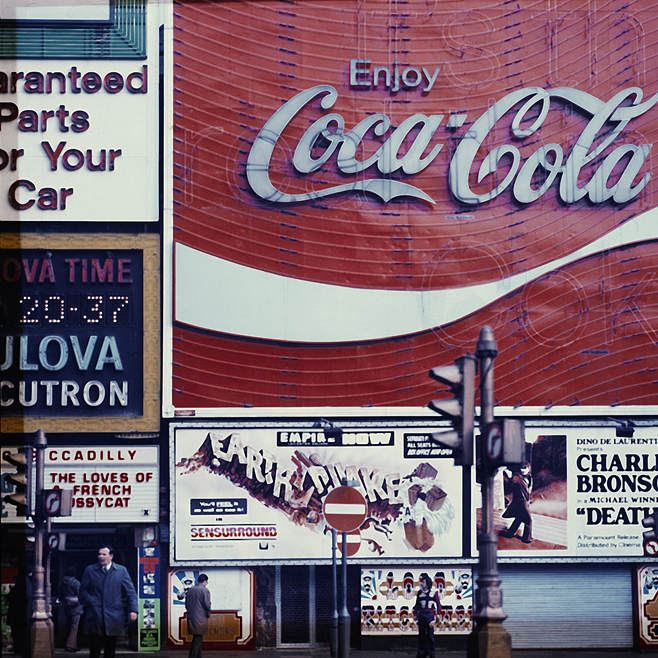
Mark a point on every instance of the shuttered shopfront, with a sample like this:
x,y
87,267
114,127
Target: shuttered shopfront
x,y
571,606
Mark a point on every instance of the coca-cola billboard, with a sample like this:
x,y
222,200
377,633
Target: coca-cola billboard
x,y
359,187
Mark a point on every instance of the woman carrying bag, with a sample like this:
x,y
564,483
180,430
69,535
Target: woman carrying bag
x,y
70,589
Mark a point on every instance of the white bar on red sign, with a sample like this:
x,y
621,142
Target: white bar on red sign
x,y
344,508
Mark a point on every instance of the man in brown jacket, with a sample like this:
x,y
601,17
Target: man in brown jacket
x,y
197,604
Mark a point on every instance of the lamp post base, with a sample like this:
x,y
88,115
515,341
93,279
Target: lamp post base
x,y
490,640
42,638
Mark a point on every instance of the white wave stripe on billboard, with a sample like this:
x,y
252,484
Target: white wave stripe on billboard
x,y
250,302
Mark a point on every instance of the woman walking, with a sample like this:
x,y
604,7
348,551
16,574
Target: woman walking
x,y
70,588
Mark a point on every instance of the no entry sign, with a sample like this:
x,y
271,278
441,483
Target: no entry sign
x,y
345,509
352,543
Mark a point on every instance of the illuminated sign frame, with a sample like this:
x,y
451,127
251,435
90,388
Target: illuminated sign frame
x,y
341,286
149,420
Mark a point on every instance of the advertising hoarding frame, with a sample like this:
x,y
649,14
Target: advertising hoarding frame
x,y
505,556
170,410
244,615
102,478
571,502
149,244
455,482
389,593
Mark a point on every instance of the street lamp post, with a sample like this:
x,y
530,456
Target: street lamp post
x,y
41,630
489,639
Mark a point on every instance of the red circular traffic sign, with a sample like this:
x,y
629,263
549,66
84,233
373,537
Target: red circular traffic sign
x,y
52,503
352,543
345,509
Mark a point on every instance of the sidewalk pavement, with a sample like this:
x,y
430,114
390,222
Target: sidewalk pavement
x,y
357,653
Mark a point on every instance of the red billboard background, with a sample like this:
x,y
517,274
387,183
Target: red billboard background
x,y
581,332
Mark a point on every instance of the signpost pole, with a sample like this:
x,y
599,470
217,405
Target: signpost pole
x,y
344,510
334,616
344,618
489,639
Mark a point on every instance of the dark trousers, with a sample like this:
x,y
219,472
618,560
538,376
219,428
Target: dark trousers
x,y
195,649
106,642
426,645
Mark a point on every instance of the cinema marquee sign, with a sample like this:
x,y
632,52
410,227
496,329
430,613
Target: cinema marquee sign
x,y
405,149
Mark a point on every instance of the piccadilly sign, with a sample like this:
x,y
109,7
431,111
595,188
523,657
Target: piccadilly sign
x,y
549,159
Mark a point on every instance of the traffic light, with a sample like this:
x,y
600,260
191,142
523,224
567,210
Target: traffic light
x,y
21,496
57,502
460,410
650,537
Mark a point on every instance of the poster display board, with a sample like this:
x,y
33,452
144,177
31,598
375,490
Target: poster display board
x,y
582,493
80,331
233,602
108,483
388,596
149,599
646,584
256,493
376,184
79,94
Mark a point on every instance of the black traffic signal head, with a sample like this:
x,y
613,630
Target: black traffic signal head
x,y
21,497
460,410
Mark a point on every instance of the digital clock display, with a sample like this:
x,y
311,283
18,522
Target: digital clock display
x,y
72,332
73,309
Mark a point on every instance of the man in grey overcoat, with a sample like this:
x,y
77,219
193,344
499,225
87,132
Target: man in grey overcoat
x,y
197,604
103,589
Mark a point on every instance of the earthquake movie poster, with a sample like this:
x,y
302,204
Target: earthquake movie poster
x,y
257,493
582,492
388,596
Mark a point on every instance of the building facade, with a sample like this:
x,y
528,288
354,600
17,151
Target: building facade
x,y
236,238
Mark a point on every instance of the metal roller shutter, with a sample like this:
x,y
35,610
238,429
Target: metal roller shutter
x,y
568,606
294,623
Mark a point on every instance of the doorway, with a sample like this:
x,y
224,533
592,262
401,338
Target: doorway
x,y
304,604
295,603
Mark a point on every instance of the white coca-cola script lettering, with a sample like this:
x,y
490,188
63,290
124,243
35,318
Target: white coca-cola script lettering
x,y
549,159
